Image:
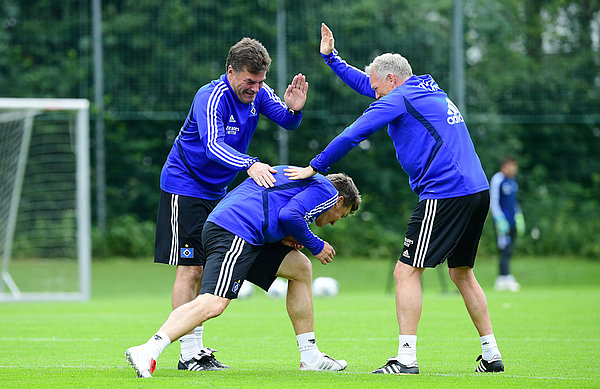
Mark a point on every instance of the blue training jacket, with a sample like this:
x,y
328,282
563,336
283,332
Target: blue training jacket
x,y
429,134
503,198
264,215
212,144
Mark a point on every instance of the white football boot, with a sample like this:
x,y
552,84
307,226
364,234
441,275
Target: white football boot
x,y
324,363
141,361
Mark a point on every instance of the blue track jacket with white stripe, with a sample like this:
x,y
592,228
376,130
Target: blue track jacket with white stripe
x,y
429,134
264,215
212,144
503,198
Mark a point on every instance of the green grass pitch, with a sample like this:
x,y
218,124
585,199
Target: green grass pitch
x,y
549,332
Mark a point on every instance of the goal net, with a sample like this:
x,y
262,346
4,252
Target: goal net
x,y
45,235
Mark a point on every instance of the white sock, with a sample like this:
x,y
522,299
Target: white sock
x,y
489,347
157,344
198,332
407,349
309,352
189,347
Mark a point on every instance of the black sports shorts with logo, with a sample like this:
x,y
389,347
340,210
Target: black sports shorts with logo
x,y
179,226
445,228
230,260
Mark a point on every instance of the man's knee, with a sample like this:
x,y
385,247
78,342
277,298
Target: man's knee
x,y
403,272
296,266
213,305
462,274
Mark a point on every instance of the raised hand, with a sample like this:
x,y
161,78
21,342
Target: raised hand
x,y
262,174
295,94
327,40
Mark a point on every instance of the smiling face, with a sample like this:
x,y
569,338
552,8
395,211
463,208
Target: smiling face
x,y
245,84
333,214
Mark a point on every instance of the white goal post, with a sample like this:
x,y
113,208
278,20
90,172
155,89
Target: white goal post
x,y
45,226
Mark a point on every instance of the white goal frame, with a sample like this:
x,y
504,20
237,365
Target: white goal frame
x,y
33,106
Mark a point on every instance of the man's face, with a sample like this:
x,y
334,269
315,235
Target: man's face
x,y
510,169
333,214
381,87
245,84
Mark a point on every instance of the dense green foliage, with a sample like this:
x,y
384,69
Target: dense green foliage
x,y
532,87
545,332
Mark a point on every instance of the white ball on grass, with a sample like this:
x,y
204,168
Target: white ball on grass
x,y
325,287
278,289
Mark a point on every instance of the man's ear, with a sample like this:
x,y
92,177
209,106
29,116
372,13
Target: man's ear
x,y
340,200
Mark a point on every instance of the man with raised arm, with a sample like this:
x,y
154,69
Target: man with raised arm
x,y
205,158
434,148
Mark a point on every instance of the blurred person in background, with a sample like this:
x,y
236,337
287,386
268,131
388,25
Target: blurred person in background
x,y
508,219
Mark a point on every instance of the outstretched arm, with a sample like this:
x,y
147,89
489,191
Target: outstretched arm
x,y
355,78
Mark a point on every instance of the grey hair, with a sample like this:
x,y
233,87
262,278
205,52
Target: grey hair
x,y
390,63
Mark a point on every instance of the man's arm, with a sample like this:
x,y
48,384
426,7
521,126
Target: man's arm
x,y
500,221
289,114
355,78
212,135
302,209
208,114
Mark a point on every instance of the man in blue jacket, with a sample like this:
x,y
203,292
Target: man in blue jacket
x,y
254,234
433,146
508,220
208,153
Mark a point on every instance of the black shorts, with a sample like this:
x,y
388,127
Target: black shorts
x,y
179,224
230,260
445,228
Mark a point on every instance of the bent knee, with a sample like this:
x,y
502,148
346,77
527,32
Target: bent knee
x,y
460,274
211,304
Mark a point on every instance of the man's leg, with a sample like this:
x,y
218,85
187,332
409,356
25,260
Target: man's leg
x,y
297,269
194,356
476,304
474,298
408,297
180,322
185,289
408,313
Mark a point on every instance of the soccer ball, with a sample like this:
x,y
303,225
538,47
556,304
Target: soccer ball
x,y
325,287
246,290
278,289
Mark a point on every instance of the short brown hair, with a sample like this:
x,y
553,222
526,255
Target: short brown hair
x,y
346,188
248,53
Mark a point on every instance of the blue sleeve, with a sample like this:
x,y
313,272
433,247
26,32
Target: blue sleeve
x,y
303,209
495,184
377,116
355,78
272,107
209,114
